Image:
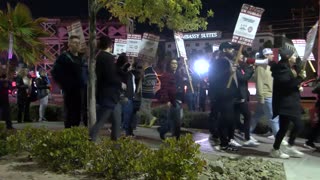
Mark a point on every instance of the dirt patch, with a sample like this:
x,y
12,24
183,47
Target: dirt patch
x,y
23,168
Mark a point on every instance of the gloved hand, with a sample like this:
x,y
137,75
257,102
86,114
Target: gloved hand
x,y
303,74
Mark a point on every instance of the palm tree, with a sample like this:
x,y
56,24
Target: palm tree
x,y
18,26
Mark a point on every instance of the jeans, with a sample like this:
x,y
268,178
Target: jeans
x,y
173,121
284,126
145,109
103,115
265,109
42,107
127,116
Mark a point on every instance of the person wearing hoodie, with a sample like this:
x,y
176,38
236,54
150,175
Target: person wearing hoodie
x,y
286,102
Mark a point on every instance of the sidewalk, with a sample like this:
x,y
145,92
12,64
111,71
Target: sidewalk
x,y
306,168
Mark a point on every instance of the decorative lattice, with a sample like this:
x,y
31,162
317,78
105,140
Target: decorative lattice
x,y
57,28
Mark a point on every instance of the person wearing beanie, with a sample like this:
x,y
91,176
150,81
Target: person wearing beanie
x,y
264,85
286,103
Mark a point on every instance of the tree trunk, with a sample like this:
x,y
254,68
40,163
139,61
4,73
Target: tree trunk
x,y
92,63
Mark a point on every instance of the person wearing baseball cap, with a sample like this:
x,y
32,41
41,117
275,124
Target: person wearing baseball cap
x,y
286,103
219,75
264,87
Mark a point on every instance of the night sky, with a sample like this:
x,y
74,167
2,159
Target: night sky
x,y
226,11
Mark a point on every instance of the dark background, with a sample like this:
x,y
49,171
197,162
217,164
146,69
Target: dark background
x,y
277,12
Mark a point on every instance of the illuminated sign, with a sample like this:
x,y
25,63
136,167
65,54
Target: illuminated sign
x,y
202,35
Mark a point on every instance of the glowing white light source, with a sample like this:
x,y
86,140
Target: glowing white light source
x,y
201,66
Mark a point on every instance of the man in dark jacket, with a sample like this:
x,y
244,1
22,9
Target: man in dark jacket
x,y
108,91
67,72
219,76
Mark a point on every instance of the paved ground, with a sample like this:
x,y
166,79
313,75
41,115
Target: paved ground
x,y
306,168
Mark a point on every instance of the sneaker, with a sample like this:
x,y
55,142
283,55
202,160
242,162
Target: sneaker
x,y
253,139
293,152
271,137
251,143
229,148
234,143
162,135
214,139
310,145
152,121
284,143
279,154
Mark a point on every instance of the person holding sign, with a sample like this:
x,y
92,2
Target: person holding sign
x,y
220,72
286,102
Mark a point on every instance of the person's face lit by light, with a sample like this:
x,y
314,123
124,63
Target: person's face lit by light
x,y
174,65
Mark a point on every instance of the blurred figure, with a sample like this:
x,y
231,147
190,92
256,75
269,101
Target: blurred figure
x,y
244,73
127,77
149,81
264,86
171,85
67,72
224,68
4,101
24,85
43,88
315,129
286,103
108,91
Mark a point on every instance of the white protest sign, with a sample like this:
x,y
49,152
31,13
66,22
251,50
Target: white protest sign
x,y
311,36
133,44
178,37
75,29
149,45
300,45
120,46
247,25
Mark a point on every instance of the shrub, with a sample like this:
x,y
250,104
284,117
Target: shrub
x,y
122,159
176,159
64,150
3,143
26,139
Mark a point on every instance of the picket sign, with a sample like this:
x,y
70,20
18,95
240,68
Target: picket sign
x,y
120,46
133,45
148,46
246,29
75,29
181,50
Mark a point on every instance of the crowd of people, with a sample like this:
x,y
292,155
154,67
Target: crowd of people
x,y
125,91
278,86
30,88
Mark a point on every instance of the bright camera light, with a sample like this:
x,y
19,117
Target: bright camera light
x,y
201,66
